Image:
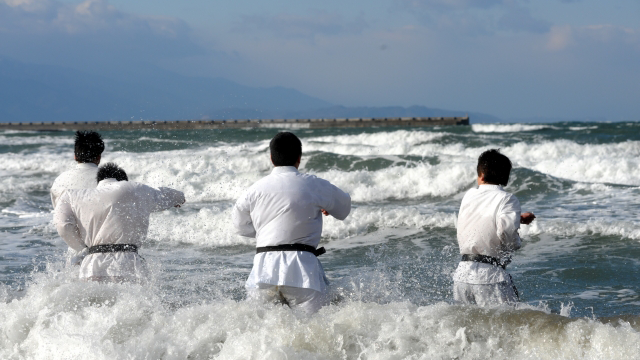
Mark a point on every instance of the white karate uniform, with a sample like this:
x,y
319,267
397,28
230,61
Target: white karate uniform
x,y
82,176
116,212
488,224
284,208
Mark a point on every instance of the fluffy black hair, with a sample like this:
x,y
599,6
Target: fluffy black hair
x,y
285,148
89,146
495,167
111,171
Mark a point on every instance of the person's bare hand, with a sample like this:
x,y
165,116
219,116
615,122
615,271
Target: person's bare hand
x,y
527,218
324,212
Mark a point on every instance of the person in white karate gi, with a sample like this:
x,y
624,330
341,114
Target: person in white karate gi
x,y
283,211
109,223
488,224
88,150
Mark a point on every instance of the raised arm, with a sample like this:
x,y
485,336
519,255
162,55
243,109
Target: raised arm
x,y
508,223
334,201
66,224
241,217
159,199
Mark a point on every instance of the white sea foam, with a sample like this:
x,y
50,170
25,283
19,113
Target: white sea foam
x,y
603,227
617,163
580,128
506,128
211,226
35,140
223,172
61,319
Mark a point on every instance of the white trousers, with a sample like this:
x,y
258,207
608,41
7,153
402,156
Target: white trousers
x,y
307,300
485,294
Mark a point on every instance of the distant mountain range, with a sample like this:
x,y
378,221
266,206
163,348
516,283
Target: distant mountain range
x,y
30,93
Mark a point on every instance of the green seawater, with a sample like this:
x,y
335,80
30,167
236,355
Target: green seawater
x,y
582,180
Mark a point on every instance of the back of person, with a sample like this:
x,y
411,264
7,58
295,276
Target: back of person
x,y
299,198
487,216
487,227
113,213
88,150
81,176
108,224
283,211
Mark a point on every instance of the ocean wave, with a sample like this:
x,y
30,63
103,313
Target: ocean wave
x,y
617,163
602,227
507,128
36,140
62,319
224,171
211,226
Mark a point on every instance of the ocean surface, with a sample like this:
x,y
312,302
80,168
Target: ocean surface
x,y
390,262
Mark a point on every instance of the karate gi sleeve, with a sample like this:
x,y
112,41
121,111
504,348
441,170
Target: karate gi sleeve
x,y
241,217
55,194
335,201
508,223
162,198
66,224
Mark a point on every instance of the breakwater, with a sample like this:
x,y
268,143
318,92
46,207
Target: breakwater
x,y
237,124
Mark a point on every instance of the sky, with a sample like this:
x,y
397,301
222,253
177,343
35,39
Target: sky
x,y
515,59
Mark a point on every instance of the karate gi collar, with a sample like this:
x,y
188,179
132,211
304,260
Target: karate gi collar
x,y
283,169
106,182
487,187
86,165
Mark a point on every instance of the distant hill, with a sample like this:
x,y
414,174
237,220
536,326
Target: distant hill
x,y
48,93
30,93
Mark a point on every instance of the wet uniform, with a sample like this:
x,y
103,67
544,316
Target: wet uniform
x,y
284,208
115,213
488,224
82,176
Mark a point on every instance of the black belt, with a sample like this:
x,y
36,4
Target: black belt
x,y
109,248
485,260
292,247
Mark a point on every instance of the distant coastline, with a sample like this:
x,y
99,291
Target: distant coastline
x,y
237,124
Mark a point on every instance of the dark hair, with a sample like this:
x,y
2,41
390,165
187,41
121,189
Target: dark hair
x,y
495,167
89,146
111,171
285,148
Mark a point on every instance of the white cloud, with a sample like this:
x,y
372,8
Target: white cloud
x,y
89,31
446,5
559,37
297,26
475,17
607,35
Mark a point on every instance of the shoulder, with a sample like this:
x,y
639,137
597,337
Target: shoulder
x,y
136,186
469,194
63,177
509,200
73,196
260,185
314,179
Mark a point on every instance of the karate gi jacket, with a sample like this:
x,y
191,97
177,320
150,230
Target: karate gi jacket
x,y
284,208
116,212
488,224
82,176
